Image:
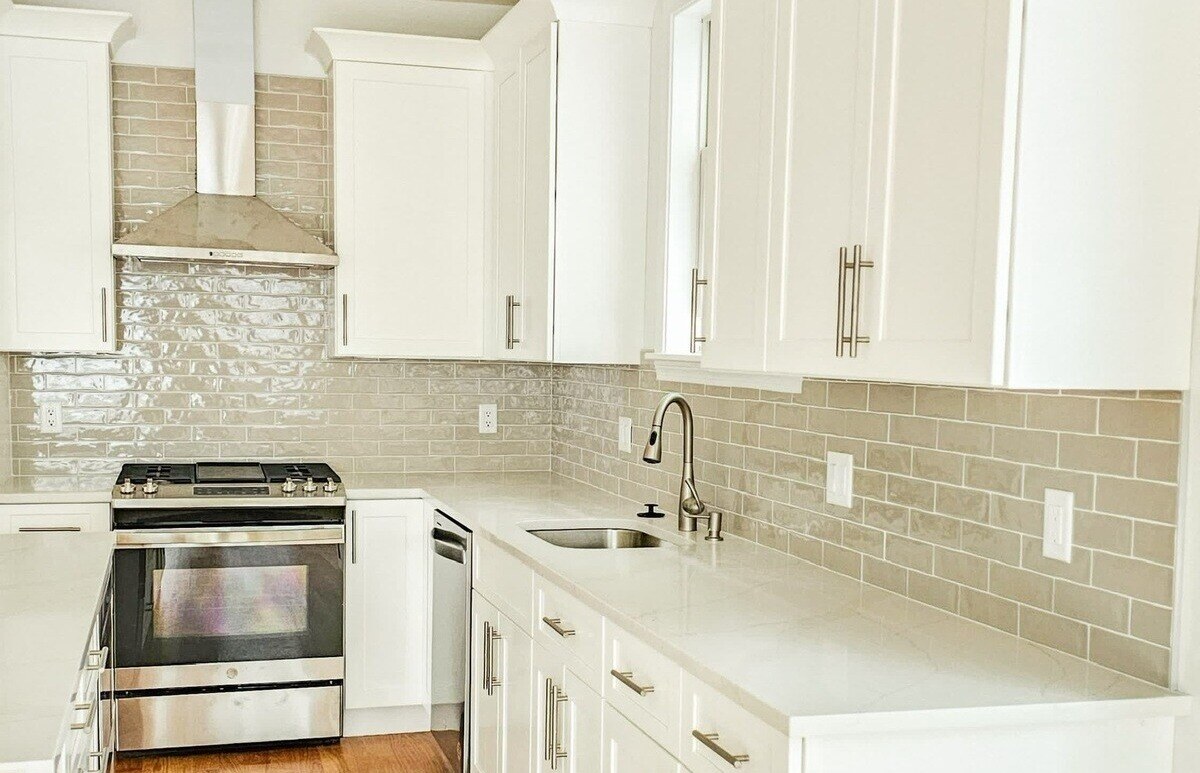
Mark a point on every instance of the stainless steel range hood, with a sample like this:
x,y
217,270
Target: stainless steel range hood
x,y
224,221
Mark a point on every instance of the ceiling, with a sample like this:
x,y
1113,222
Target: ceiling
x,y
282,27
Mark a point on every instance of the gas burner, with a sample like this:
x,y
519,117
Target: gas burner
x,y
163,473
301,471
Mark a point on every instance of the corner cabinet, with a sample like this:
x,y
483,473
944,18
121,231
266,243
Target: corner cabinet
x,y
411,143
387,606
56,179
572,135
969,195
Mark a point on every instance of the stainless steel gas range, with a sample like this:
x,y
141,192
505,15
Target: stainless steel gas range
x,y
228,599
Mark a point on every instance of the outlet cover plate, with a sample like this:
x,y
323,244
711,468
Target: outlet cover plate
x,y
839,479
51,418
1058,525
625,434
488,422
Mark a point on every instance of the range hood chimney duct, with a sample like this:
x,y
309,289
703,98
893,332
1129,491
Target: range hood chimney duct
x,y
224,221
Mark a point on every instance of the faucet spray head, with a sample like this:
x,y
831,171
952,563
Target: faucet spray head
x,y
653,451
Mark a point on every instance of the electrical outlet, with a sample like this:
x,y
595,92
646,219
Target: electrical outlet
x,y
839,479
487,420
1058,525
51,418
625,434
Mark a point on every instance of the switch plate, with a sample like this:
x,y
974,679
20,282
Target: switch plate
x,y
1058,525
839,479
625,434
51,418
487,419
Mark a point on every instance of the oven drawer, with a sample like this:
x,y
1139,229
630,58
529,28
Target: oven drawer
x,y
208,719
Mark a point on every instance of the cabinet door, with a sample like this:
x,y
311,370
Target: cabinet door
x,y
628,750
933,305
568,718
744,33
822,160
387,601
502,690
56,205
525,102
410,193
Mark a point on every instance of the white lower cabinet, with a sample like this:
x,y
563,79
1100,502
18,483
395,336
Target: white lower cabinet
x,y
387,603
717,734
502,692
32,519
628,750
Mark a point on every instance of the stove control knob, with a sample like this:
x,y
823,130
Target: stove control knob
x,y
310,486
127,487
150,488
289,486
331,486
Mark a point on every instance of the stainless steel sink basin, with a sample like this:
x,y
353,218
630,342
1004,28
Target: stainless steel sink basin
x,y
598,539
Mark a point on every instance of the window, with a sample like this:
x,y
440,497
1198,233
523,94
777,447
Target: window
x,y
690,179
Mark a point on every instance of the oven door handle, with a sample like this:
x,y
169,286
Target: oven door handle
x,y
190,538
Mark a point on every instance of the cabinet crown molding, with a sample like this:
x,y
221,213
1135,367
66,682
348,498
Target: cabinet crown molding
x,y
28,21
328,45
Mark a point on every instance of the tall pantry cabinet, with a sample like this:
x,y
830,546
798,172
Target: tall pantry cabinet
x,y
56,178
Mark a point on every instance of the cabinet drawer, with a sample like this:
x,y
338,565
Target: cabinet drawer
x,y
629,750
565,625
506,582
738,740
43,518
643,684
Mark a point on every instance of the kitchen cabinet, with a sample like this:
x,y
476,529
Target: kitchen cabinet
x,y
18,519
628,750
387,604
572,117
568,731
411,208
502,692
963,196
56,179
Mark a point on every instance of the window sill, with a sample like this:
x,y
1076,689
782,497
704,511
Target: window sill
x,y
686,369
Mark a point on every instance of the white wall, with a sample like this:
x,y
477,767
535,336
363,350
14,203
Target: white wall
x,y
1186,643
282,27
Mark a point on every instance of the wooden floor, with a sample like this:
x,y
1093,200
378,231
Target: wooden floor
x,y
416,753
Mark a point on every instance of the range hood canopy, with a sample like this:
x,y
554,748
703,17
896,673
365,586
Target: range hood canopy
x,y
224,221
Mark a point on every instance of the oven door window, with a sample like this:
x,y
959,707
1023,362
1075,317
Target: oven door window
x,y
177,606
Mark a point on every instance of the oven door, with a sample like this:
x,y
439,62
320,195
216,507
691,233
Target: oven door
x,y
226,608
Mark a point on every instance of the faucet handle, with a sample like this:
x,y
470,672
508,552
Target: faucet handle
x,y
651,512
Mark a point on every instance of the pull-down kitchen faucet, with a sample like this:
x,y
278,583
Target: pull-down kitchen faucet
x,y
691,507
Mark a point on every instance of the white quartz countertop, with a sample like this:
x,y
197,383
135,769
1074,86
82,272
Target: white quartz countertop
x,y
52,491
51,587
807,650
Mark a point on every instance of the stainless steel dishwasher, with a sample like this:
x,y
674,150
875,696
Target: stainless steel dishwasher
x,y
450,663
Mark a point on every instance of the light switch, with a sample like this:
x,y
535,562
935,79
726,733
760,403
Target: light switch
x,y
1058,525
625,434
839,479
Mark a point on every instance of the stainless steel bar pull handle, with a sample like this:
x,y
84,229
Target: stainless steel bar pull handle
x,y
97,659
90,708
547,719
710,741
492,638
696,339
104,315
511,304
557,626
354,536
345,319
557,752
843,266
626,678
856,300
46,529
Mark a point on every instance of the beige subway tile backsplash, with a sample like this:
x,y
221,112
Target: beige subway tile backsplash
x,y
949,484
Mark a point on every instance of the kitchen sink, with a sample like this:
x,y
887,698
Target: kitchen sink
x,y
598,539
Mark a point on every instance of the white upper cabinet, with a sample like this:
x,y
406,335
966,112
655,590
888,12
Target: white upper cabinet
x,y
984,192
572,116
411,207
56,179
